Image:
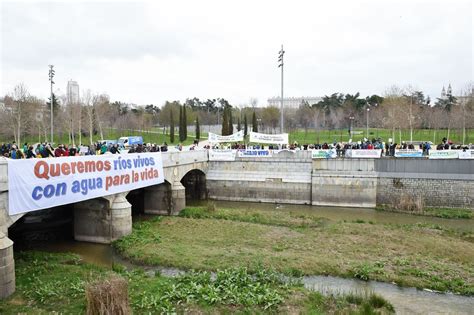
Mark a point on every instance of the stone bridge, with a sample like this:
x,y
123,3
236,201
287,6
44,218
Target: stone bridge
x,y
105,219
284,177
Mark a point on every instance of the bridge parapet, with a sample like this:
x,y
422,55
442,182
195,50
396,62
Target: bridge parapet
x,y
3,174
171,159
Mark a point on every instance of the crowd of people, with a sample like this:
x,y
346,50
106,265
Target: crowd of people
x,y
46,150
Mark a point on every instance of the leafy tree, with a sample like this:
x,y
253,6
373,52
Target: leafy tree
x,y
56,104
230,130
225,123
254,122
181,130
198,129
239,127
164,115
171,127
185,123
270,116
246,128
375,100
330,103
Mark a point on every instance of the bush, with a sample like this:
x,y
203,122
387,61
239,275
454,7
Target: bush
x,y
108,296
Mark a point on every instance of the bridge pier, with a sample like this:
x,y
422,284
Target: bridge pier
x,y
165,199
102,220
7,267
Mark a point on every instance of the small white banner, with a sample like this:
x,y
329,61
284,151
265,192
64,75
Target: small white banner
x,y
361,153
443,154
408,153
35,184
254,153
466,155
267,138
83,149
214,138
323,154
222,155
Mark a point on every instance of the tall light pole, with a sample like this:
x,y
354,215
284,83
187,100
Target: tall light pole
x,y
51,76
280,64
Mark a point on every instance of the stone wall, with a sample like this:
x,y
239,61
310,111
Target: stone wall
x,y
284,178
295,178
433,192
344,183
438,183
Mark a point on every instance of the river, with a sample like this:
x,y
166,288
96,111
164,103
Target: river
x,y
405,300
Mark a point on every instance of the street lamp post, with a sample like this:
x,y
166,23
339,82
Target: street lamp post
x,y
368,109
51,76
280,64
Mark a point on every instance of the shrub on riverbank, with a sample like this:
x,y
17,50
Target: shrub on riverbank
x,y
446,213
56,283
298,244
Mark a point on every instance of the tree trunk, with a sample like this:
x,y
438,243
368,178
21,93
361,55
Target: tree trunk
x,y
79,129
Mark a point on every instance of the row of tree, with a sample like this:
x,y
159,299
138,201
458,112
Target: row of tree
x,y
398,109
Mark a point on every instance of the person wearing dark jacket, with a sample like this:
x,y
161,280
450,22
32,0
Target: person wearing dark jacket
x,y
30,154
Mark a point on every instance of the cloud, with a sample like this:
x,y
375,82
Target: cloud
x,y
152,51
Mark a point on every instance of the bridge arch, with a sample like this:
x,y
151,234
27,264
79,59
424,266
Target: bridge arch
x,y
194,182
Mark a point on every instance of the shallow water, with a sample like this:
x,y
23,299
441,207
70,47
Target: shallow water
x,y
405,300
348,214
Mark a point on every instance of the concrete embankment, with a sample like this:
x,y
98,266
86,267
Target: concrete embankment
x,y
292,177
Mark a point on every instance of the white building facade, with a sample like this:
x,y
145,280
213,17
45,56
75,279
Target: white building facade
x,y
293,102
72,92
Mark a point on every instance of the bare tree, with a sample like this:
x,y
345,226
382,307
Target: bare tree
x,y
20,97
253,102
467,107
86,100
100,103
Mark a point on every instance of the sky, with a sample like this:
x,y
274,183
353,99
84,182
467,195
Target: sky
x,y
147,52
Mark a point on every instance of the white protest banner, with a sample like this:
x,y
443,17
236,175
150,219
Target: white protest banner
x,y
362,153
214,138
323,154
466,155
35,184
408,153
83,150
443,154
222,155
267,138
254,153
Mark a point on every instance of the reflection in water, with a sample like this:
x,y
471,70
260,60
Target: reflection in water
x,y
405,300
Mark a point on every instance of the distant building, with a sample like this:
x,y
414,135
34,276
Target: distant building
x,y
293,102
72,92
461,99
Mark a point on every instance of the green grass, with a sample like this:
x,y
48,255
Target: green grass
x,y
330,136
316,303
55,283
209,240
110,134
450,213
155,135
446,213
